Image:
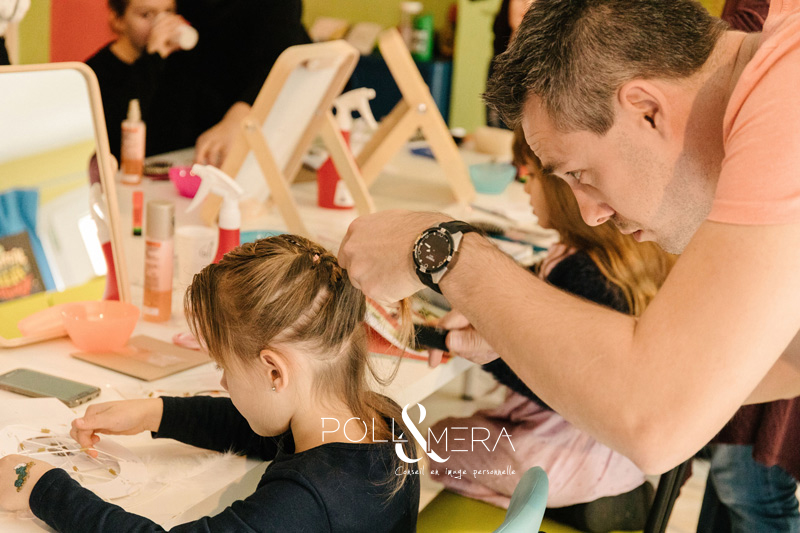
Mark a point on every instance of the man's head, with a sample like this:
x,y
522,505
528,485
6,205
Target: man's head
x,y
597,86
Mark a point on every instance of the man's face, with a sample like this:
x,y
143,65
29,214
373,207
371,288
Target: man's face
x,y
644,184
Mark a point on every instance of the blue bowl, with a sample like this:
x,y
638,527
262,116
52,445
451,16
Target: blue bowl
x,y
492,178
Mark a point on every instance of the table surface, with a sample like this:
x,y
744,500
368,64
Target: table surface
x,y
214,481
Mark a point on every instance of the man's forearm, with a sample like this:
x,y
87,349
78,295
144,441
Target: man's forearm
x,y
655,389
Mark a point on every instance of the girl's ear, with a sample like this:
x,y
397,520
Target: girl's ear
x,y
275,368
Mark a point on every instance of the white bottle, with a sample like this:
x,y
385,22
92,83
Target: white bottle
x,y
186,37
158,256
133,145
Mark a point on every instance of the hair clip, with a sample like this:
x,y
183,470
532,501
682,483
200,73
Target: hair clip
x,y
22,474
315,259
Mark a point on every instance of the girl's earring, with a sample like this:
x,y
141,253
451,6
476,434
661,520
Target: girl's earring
x,y
274,389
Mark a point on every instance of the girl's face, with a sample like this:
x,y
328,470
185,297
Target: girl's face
x,y
534,188
250,384
137,21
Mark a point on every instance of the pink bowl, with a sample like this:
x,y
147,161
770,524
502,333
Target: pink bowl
x,y
100,326
185,182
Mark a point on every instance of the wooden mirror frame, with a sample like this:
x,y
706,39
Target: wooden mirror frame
x,y
107,171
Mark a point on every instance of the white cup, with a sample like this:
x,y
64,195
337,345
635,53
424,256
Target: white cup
x,y
195,247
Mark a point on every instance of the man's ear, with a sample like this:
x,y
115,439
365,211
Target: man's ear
x,y
275,367
115,22
644,103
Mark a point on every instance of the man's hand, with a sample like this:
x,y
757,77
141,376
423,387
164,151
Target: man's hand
x,y
463,341
127,417
376,251
10,498
214,144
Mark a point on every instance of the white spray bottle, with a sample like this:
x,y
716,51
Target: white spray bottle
x,y
230,217
331,191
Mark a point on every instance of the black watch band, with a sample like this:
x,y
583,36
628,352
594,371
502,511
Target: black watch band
x,y
452,231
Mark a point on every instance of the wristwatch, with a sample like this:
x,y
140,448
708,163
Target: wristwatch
x,y
435,251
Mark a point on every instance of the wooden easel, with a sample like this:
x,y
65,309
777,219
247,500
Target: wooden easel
x,y
294,105
415,111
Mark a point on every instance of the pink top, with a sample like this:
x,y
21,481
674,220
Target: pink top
x,y
760,178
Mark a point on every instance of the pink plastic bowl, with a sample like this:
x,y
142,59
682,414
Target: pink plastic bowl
x,y
100,326
185,182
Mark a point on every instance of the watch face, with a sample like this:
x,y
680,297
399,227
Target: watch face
x,y
433,251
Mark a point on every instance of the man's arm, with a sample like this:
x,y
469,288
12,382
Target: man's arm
x,y
660,387
657,388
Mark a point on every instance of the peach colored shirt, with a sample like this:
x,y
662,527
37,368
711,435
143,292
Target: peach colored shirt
x,y
760,178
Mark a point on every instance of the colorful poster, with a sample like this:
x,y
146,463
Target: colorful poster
x,y
19,273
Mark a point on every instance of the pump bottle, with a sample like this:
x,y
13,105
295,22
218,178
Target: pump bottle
x,y
133,145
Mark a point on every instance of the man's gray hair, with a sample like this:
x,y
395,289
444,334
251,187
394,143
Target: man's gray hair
x,y
575,54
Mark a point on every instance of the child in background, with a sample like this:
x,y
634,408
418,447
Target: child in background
x,y
593,487
144,63
197,97
282,320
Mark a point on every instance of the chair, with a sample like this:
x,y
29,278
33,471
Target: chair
x,y
450,512
669,486
528,502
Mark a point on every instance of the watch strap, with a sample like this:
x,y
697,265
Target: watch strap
x,y
456,229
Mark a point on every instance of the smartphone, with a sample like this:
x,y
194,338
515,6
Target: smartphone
x,y
40,385
430,337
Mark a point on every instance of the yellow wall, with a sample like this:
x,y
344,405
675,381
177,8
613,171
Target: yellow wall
x,y
383,12
71,161
34,34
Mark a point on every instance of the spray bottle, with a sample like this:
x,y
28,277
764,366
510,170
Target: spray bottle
x,y
230,218
331,191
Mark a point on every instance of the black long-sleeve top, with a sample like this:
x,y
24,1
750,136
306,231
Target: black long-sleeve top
x,y
578,275
335,487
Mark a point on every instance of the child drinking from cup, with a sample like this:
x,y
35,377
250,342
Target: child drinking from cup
x,y
282,320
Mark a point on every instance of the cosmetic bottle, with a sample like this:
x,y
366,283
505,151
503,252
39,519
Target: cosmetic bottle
x,y
133,145
159,230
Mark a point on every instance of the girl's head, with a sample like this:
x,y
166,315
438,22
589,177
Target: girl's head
x,y
638,269
281,312
133,19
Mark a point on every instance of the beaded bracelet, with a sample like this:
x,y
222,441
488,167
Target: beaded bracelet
x,y
22,474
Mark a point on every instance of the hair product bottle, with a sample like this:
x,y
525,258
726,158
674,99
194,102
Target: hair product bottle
x,y
133,145
160,227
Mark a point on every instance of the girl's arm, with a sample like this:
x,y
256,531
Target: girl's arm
x,y
211,423
280,505
214,424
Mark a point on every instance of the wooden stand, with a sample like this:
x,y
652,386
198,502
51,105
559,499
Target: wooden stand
x,y
415,111
294,105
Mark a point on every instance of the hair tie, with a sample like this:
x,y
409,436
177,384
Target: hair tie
x,y
315,259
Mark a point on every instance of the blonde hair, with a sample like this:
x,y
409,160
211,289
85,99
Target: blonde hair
x,y
290,290
638,269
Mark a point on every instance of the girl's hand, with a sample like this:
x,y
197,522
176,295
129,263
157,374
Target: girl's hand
x,y
127,417
10,498
463,341
162,39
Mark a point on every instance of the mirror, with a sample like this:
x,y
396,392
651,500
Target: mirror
x,y
50,249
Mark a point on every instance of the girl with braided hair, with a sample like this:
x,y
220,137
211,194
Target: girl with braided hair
x,y
283,322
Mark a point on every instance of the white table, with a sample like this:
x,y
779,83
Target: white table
x,y
409,182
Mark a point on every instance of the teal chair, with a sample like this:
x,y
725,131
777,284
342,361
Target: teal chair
x,y
526,510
